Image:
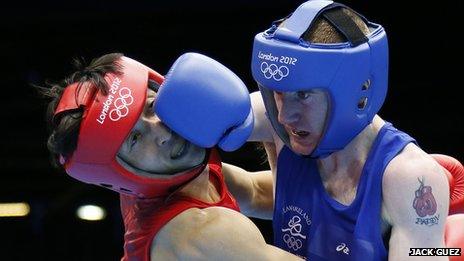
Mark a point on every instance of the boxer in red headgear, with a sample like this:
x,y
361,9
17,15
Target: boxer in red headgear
x,y
174,201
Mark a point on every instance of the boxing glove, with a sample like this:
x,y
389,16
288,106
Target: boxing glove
x,y
455,173
454,234
205,103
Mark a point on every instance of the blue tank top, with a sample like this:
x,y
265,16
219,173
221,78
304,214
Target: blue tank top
x,y
308,222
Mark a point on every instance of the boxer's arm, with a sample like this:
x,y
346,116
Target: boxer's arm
x,y
214,233
416,197
253,190
262,129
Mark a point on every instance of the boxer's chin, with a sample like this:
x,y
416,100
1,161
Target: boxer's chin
x,y
302,149
303,145
194,156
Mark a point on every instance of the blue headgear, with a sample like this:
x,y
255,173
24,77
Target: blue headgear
x,y
354,74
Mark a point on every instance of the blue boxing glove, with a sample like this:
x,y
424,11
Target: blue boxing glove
x,y
206,103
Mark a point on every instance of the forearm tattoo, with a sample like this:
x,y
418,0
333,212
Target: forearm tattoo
x,y
425,205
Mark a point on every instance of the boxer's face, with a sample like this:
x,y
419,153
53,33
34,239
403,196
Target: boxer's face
x,y
303,115
152,147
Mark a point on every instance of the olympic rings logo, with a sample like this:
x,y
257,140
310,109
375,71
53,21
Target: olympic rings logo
x,y
273,71
121,104
294,228
292,242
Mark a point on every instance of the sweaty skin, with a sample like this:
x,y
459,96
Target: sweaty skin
x,y
213,233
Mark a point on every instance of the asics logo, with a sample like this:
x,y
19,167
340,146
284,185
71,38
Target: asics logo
x,y
273,71
121,104
343,248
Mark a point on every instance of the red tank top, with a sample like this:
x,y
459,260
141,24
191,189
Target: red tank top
x,y
143,218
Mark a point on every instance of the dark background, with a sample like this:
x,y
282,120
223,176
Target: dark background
x,y
40,38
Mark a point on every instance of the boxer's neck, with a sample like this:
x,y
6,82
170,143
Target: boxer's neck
x,y
351,159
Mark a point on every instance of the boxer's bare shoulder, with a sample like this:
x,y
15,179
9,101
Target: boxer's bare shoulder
x,y
211,234
415,200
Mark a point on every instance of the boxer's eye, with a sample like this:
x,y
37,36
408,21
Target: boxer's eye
x,y
134,138
303,95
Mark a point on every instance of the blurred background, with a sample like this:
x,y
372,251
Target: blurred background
x,y
40,39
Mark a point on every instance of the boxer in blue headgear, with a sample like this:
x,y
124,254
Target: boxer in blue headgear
x,y
353,73
347,184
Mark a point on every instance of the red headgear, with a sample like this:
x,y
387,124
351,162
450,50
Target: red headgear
x,y
106,122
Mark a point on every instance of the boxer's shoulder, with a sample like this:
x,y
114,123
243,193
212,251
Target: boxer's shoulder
x,y
178,236
195,232
411,161
407,177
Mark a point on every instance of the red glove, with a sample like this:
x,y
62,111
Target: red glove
x,y
454,234
455,172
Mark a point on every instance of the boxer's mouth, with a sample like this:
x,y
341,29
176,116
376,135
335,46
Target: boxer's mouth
x,y
299,133
179,149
